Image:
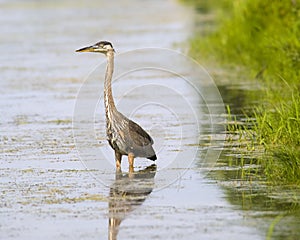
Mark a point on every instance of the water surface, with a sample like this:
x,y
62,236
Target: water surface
x,y
46,190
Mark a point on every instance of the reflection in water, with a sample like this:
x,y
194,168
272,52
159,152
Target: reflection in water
x,y
275,209
128,192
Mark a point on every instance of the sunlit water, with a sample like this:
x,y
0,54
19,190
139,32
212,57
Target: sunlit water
x,y
49,191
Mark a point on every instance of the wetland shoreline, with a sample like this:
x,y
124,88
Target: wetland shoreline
x,y
259,40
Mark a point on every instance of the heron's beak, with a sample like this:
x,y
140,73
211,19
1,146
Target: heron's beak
x,y
93,48
86,49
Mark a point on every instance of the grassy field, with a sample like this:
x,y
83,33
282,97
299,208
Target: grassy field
x,y
263,37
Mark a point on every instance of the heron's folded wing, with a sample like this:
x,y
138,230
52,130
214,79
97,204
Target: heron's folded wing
x,y
139,135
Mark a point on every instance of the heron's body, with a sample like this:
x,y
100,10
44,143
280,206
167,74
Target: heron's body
x,y
124,136
123,141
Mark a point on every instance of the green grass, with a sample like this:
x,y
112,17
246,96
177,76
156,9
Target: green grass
x,y
278,128
263,37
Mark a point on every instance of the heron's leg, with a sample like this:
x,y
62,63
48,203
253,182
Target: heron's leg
x,y
130,161
118,157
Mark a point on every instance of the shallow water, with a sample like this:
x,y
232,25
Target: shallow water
x,y
54,188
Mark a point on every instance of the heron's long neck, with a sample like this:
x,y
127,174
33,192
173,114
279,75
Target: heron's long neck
x,y
108,97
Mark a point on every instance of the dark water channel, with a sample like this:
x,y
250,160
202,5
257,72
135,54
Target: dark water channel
x,y
53,187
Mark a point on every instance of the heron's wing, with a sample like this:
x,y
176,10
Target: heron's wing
x,y
139,135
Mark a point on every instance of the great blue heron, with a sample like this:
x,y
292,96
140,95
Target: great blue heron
x,y
124,136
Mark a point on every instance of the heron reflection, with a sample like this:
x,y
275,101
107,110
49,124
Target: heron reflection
x,y
128,192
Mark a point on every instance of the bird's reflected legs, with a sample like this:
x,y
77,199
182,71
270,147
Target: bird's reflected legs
x,y
130,161
118,157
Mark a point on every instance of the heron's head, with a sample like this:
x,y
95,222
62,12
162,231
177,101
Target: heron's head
x,y
100,47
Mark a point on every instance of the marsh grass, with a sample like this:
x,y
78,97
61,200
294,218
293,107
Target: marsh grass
x,y
241,141
264,38
278,128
